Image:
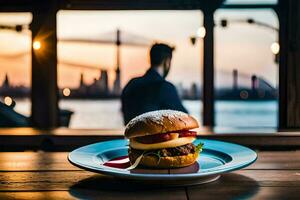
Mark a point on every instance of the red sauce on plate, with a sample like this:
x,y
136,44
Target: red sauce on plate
x,y
119,162
122,162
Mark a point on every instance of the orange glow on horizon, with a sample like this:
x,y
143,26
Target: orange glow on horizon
x,y
244,47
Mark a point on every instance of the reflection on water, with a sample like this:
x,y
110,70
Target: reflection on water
x,y
107,114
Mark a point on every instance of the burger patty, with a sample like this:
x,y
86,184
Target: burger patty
x,y
176,151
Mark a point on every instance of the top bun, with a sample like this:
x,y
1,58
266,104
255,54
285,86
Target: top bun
x,y
160,121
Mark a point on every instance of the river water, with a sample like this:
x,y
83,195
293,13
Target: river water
x,y
107,114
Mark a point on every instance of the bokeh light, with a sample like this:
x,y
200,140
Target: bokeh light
x,y
201,32
36,45
8,101
275,48
66,92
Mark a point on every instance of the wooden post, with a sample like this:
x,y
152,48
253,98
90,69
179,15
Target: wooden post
x,y
44,93
289,64
208,69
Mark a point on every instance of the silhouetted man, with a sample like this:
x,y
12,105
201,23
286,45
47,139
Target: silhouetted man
x,y
151,91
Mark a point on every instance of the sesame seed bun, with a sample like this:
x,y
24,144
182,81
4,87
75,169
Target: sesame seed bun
x,y
161,121
166,162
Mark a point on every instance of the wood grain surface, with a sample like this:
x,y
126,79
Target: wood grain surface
x,y
43,175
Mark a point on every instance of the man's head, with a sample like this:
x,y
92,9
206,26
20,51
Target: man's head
x,y
160,57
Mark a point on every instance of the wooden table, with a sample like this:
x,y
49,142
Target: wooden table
x,y
63,139
44,175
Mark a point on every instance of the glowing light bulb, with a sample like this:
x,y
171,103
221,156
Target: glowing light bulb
x,y
36,45
8,101
275,48
66,92
201,32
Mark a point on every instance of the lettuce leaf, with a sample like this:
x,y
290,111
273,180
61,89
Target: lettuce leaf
x,y
199,147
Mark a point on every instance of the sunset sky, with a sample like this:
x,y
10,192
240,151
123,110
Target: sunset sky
x,y
241,46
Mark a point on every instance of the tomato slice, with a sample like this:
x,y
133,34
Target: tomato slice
x,y
187,133
151,139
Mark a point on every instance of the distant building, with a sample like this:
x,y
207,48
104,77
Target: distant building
x,y
81,83
260,89
104,81
98,89
5,83
235,79
194,91
254,83
180,89
100,86
117,83
6,89
82,89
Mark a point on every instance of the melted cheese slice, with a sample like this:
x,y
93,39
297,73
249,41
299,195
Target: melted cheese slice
x,y
167,144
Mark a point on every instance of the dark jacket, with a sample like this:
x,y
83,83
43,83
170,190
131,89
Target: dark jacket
x,y
148,93
10,118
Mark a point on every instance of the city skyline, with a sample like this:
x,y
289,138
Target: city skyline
x,y
259,89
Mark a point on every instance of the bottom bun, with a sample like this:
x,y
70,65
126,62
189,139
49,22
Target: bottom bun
x,y
166,162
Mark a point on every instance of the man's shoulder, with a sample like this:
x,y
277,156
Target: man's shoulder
x,y
144,80
168,89
134,82
168,85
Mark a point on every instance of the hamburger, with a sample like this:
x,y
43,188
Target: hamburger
x,y
162,139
